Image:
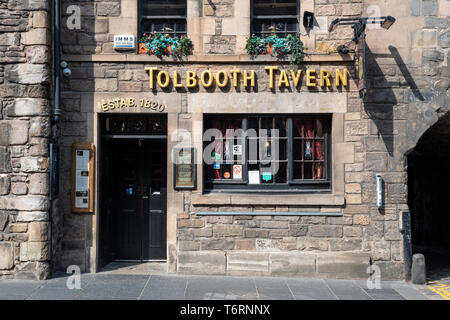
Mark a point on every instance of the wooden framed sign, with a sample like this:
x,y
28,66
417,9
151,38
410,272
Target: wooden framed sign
x,y
83,177
184,168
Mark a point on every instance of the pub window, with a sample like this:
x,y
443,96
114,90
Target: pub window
x,y
262,152
164,16
274,16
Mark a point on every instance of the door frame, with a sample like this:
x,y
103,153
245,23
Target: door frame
x,y
101,261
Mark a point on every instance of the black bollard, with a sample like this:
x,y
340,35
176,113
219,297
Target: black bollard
x,y
418,269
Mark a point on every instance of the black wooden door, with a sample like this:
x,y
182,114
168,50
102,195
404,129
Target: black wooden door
x,y
128,198
139,203
154,202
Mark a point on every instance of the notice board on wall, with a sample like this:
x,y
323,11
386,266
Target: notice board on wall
x,y
184,168
83,177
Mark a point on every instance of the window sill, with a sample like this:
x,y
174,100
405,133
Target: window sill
x,y
268,213
268,200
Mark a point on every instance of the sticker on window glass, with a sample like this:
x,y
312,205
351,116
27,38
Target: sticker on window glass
x,y
217,156
253,177
216,165
226,175
129,191
267,176
237,171
237,150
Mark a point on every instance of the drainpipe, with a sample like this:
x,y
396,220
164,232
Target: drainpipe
x,y
56,113
57,110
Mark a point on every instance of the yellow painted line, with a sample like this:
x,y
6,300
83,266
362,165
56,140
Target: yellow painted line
x,y
440,289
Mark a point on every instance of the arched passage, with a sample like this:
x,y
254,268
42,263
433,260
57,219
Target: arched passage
x,y
429,197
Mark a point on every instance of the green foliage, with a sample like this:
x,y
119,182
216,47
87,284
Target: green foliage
x,y
281,46
255,46
162,45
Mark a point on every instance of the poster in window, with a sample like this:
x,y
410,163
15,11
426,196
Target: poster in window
x,y
185,173
253,177
82,177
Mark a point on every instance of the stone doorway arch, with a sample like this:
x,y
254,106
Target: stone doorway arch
x,y
429,194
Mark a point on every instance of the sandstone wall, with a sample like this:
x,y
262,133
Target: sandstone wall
x,y
24,132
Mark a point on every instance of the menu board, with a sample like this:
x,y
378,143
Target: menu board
x,y
185,173
82,177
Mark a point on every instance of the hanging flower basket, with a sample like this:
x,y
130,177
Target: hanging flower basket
x,y
163,45
276,46
143,48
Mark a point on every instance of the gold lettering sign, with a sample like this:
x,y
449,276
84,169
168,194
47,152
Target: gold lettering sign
x,y
277,77
121,103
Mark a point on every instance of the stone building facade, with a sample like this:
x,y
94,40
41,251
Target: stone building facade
x,y
336,233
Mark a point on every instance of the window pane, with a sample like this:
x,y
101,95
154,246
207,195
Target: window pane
x,y
180,27
280,125
266,123
226,149
307,170
308,149
318,155
163,7
274,7
291,25
281,175
281,27
282,146
166,26
297,149
318,170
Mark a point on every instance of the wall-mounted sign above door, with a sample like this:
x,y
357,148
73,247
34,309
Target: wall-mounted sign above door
x,y
122,103
277,77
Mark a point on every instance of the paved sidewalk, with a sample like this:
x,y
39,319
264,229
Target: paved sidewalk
x,y
110,285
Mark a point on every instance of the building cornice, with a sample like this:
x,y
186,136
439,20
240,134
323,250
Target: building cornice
x,y
141,58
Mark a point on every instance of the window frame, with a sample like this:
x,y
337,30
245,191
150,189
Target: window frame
x,y
271,17
291,185
141,18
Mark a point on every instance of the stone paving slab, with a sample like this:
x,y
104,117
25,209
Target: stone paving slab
x,y
165,288
310,289
106,286
273,289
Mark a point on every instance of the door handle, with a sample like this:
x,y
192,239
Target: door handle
x,y
144,197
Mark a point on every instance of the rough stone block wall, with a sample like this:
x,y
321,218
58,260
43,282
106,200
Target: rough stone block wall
x,y
92,37
333,9
218,42
24,132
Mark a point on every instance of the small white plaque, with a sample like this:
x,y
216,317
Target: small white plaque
x,y
125,42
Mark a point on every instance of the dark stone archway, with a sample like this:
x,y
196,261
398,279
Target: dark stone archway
x,y
429,197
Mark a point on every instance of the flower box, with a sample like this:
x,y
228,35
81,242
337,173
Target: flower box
x,y
163,45
276,46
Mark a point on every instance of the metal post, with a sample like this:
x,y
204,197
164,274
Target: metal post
x,y
407,245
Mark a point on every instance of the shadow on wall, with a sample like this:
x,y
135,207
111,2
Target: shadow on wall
x,y
380,98
385,87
